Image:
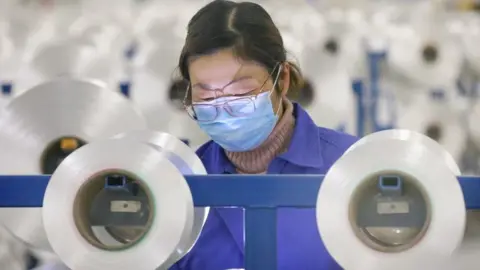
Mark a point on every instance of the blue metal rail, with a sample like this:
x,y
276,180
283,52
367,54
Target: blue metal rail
x,y
271,192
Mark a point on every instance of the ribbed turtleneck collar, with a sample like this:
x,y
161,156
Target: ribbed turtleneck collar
x,y
256,161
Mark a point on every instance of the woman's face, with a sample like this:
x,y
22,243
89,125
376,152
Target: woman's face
x,y
222,74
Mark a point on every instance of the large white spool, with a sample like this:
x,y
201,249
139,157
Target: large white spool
x,y
431,246
35,125
78,179
435,119
187,162
407,135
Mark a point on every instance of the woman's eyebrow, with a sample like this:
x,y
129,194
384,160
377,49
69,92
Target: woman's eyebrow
x,y
205,86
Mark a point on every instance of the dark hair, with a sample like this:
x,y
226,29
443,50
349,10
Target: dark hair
x,y
243,26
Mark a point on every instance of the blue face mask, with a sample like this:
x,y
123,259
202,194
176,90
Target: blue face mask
x,y
241,133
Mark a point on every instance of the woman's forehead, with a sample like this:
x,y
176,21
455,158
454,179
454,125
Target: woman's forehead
x,y
221,68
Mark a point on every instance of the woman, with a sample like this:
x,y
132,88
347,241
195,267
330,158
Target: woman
x,y
235,62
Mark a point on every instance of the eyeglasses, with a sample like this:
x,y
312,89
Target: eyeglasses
x,y
236,107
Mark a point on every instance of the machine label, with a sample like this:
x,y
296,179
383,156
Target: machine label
x,y
125,206
389,208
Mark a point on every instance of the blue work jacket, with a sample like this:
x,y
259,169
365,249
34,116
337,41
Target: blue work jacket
x,y
220,246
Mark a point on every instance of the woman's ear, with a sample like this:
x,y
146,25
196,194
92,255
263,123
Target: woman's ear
x,y
284,79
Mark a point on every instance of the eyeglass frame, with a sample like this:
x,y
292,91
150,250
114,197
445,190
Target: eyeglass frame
x,y
250,97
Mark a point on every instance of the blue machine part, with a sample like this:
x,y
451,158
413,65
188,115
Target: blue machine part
x,y
131,50
341,128
7,88
375,60
271,192
390,183
437,94
115,182
461,88
358,89
125,88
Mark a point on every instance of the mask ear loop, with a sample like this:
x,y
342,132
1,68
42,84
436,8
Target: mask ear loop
x,y
274,85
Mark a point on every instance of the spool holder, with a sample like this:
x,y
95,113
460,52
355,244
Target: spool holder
x,y
271,192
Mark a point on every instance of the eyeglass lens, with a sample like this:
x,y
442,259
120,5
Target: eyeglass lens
x,y
237,107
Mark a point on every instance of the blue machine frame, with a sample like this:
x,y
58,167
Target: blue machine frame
x,y
271,192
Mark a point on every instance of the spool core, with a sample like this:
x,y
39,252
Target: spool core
x,y
430,54
57,151
434,131
390,212
331,46
113,196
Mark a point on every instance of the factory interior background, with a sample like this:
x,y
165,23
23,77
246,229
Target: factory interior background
x,y
369,65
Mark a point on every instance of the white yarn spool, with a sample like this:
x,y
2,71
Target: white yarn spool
x,y
351,182
34,126
168,202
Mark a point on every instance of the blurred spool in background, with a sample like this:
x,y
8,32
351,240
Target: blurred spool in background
x,y
471,158
110,40
473,123
323,58
435,120
69,58
159,92
421,60
90,48
6,52
421,49
41,127
470,36
343,41
335,110
28,27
